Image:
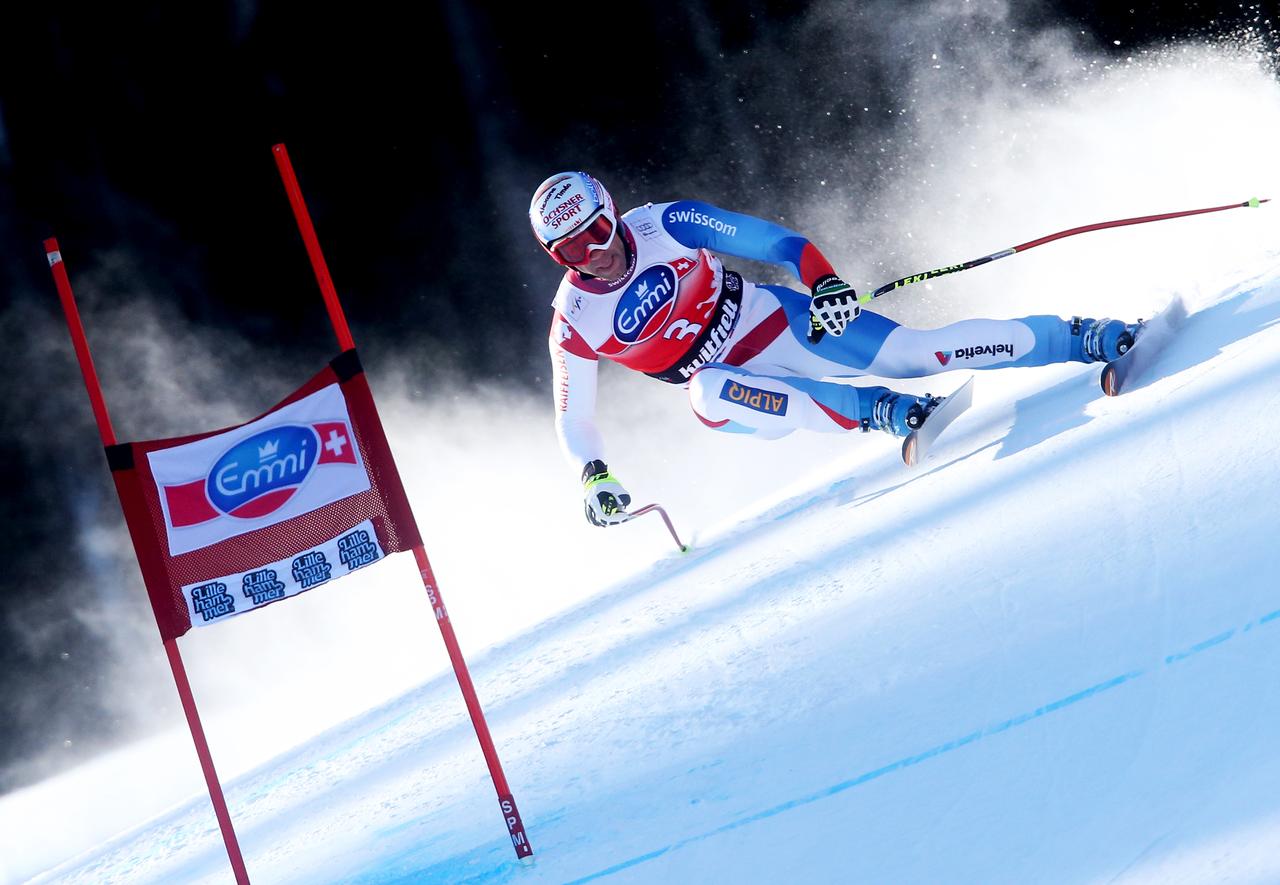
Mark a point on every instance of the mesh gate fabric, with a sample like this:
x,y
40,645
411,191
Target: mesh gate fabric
x,y
384,503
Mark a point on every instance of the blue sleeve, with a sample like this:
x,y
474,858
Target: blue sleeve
x,y
700,225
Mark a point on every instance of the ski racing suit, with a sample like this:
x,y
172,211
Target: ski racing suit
x,y
741,348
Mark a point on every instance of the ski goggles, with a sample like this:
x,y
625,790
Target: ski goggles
x,y
573,250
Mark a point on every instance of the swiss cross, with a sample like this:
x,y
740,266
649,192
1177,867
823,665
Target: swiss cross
x,y
336,443
684,266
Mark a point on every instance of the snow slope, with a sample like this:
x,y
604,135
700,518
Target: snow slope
x,y
1048,655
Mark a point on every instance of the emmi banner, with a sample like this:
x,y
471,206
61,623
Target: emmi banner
x,y
233,520
291,461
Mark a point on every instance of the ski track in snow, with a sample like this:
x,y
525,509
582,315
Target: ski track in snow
x,y
1045,655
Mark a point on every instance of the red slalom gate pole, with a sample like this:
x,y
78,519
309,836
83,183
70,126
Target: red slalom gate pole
x,y
303,217
506,801
206,762
79,341
105,430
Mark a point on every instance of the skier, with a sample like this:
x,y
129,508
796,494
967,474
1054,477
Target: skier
x,y
645,290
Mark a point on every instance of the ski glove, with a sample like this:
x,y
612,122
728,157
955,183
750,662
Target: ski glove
x,y
833,307
606,499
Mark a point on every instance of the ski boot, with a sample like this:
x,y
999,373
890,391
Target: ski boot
x,y
1103,340
901,413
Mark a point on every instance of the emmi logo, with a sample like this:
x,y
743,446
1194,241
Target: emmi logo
x,y
646,305
257,475
753,398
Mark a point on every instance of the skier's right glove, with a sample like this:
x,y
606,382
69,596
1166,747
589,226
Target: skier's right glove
x,y
834,306
606,499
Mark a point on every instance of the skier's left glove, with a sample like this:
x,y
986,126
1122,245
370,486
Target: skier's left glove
x,y
833,307
606,500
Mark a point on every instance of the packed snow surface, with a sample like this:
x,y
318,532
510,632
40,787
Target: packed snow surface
x,y
1046,655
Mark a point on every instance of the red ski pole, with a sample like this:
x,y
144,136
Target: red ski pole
x,y
654,508
1031,244
867,297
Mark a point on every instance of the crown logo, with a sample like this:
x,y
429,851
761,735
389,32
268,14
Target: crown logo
x,y
269,450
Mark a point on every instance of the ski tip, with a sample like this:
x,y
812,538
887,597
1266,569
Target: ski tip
x,y
1109,385
909,450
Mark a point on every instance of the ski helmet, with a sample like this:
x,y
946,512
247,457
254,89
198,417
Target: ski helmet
x,y
572,215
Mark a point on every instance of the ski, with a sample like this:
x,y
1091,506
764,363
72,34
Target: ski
x,y
915,448
1151,338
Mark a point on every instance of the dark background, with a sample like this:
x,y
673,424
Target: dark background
x,y
140,134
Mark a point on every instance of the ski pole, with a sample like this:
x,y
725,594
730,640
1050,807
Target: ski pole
x,y
654,508
1031,244
867,297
